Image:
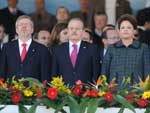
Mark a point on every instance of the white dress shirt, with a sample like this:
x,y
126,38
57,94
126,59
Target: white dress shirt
x,y
27,47
71,47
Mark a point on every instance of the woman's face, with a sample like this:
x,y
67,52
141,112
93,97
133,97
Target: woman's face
x,y
126,30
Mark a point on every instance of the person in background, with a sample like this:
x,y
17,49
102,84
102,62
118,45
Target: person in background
x,y
44,37
62,15
8,17
3,36
127,57
100,21
42,19
109,36
113,8
64,35
76,59
85,12
24,57
87,35
55,34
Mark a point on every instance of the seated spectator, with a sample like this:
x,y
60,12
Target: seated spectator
x,y
55,34
43,37
85,12
127,57
100,21
3,36
8,17
42,19
87,35
62,15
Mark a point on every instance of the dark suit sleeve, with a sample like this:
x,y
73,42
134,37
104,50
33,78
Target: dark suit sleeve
x,y
146,59
3,63
45,64
96,62
54,63
106,63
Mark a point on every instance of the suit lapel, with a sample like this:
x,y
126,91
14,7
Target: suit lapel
x,y
16,50
67,55
81,53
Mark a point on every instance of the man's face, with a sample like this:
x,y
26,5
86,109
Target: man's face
x,y
100,21
12,3
24,28
112,36
44,37
62,15
75,29
40,5
2,33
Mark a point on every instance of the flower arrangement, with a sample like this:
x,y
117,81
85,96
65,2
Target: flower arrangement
x,y
79,98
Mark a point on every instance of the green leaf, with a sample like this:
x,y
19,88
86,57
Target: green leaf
x,y
32,109
47,102
73,105
35,81
121,110
124,102
83,104
22,109
92,106
60,107
147,110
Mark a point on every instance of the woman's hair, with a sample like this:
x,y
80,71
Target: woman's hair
x,y
55,34
128,18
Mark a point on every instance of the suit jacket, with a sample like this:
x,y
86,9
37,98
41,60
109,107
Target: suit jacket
x,y
36,63
9,20
87,66
46,21
122,7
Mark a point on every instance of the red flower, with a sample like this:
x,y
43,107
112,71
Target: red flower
x,y
16,97
108,97
39,94
12,89
93,93
142,102
77,90
129,98
52,93
44,82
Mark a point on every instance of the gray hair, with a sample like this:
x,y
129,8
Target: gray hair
x,y
24,17
76,19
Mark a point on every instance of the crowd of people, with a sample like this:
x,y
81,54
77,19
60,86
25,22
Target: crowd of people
x,y
99,39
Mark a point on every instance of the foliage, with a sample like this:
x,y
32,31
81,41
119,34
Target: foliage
x,y
80,98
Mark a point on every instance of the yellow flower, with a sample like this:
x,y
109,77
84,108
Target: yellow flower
x,y
101,93
57,82
146,95
28,93
68,91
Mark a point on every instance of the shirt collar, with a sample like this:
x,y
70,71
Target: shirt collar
x,y
27,42
78,43
135,44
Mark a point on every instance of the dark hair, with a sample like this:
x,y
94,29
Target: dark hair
x,y
62,7
104,34
55,34
129,18
100,14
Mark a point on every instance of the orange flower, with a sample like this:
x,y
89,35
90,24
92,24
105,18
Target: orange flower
x,y
3,84
86,93
99,81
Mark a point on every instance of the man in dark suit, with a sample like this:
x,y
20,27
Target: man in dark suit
x,y
24,57
8,17
76,59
